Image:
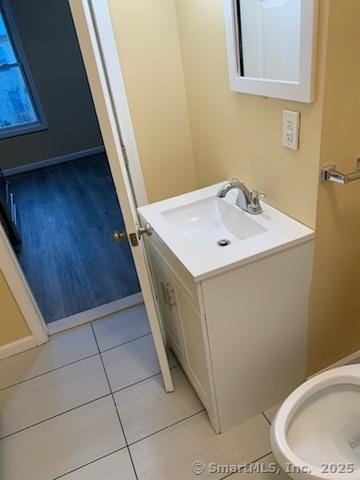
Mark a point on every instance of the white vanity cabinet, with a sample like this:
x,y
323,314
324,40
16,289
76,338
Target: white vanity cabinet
x,y
183,322
235,316
240,335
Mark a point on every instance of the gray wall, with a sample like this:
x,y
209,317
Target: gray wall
x,y
49,40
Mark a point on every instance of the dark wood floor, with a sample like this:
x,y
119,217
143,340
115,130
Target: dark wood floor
x,y
68,212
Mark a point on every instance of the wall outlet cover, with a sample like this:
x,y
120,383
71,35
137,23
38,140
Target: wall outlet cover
x,y
291,129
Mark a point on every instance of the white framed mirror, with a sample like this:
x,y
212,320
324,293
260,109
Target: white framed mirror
x,y
271,47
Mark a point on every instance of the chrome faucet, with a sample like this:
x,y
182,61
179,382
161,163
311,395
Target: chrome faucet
x,y
247,200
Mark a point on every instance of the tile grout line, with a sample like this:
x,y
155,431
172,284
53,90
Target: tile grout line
x,y
266,418
83,404
55,416
89,321
68,364
114,402
89,463
128,445
249,463
48,371
167,427
50,335
111,393
143,380
124,343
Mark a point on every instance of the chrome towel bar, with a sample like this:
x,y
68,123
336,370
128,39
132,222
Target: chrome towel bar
x,y
330,174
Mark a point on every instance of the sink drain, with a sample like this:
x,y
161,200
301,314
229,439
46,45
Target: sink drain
x,y
223,242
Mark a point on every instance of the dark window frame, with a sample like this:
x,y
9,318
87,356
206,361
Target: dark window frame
x,y
22,63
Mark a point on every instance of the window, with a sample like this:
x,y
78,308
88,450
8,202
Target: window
x,y
19,111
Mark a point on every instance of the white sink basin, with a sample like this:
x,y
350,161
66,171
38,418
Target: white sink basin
x,y
212,223
191,226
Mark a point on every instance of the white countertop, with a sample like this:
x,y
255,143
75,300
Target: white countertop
x,y
279,232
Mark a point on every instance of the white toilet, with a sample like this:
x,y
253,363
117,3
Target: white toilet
x,y
316,432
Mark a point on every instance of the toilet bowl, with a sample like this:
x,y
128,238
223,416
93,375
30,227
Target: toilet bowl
x,y
316,432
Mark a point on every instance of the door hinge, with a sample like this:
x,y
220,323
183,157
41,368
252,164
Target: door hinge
x,y
125,155
134,239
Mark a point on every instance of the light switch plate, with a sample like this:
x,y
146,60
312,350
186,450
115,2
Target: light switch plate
x,y
291,129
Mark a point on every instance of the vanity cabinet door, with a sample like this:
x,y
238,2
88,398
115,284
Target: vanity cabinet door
x,y
182,323
167,299
195,351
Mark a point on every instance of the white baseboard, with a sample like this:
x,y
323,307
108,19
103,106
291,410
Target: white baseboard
x,y
17,347
94,314
341,363
53,161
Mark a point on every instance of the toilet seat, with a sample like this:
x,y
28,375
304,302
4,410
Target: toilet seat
x,y
319,423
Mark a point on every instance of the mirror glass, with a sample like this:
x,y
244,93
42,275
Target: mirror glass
x,y
268,37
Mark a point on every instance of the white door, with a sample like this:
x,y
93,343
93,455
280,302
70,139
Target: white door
x,y
97,43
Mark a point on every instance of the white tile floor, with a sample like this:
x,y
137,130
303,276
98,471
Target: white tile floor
x,y
90,405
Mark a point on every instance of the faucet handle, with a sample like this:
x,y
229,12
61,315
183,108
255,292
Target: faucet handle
x,y
257,195
255,206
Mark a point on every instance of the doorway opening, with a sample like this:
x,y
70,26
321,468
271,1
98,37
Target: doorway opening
x,y
58,200
68,212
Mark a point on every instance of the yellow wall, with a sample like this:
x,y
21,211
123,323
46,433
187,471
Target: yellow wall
x,y
240,135
335,307
186,119
148,43
12,323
